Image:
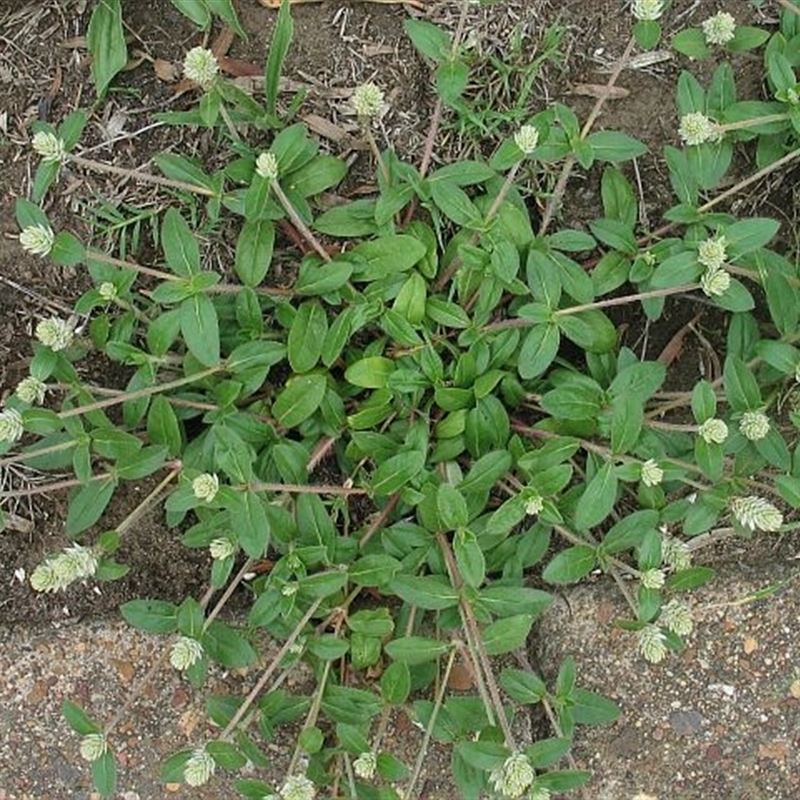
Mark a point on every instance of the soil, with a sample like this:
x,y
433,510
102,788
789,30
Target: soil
x,y
44,74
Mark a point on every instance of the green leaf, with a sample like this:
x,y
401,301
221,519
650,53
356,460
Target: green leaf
x,y
88,505
615,146
180,168
591,330
254,251
538,350
629,532
276,54
746,235
455,204
180,247
224,10
522,686
105,39
571,565
486,472
446,313
688,579
507,634
615,234
506,601
370,373
597,502
351,706
692,43
226,755
299,400
592,709
104,774
153,616
141,464
163,426
78,719
227,647
741,387
249,520
374,570
412,650
575,402
627,419
196,11
67,250
647,33
394,473
430,40
314,279
307,336
428,592
200,328
545,752
469,557
318,175
451,80
452,507
396,683
619,200
386,257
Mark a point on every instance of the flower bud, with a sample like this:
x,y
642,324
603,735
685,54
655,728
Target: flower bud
x,y
652,474
754,425
365,765
93,746
677,617
514,777
205,486
652,643
37,239
11,427
367,100
713,431
526,138
199,768
297,787
49,147
185,653
200,65
720,28
652,578
55,333
648,10
756,513
697,128
267,166
31,390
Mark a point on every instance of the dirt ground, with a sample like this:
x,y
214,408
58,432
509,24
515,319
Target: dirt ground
x,y
44,74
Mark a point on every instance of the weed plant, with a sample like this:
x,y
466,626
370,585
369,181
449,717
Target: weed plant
x,y
394,443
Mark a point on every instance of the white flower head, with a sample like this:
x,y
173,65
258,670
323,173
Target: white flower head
x,y
267,166
652,578
754,425
677,617
57,572
514,777
297,787
11,427
540,793
49,146
652,474
368,100
652,643
37,239
697,128
199,768
675,554
713,431
720,28
711,252
200,65
647,10
221,548
31,390
534,505
715,282
526,138
93,746
185,653
205,486
107,291
756,513
365,765
55,333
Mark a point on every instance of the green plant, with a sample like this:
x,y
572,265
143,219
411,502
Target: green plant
x,y
418,355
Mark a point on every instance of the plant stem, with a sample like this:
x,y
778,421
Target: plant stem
x,y
262,681
147,391
426,739
299,488
298,222
561,185
98,166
